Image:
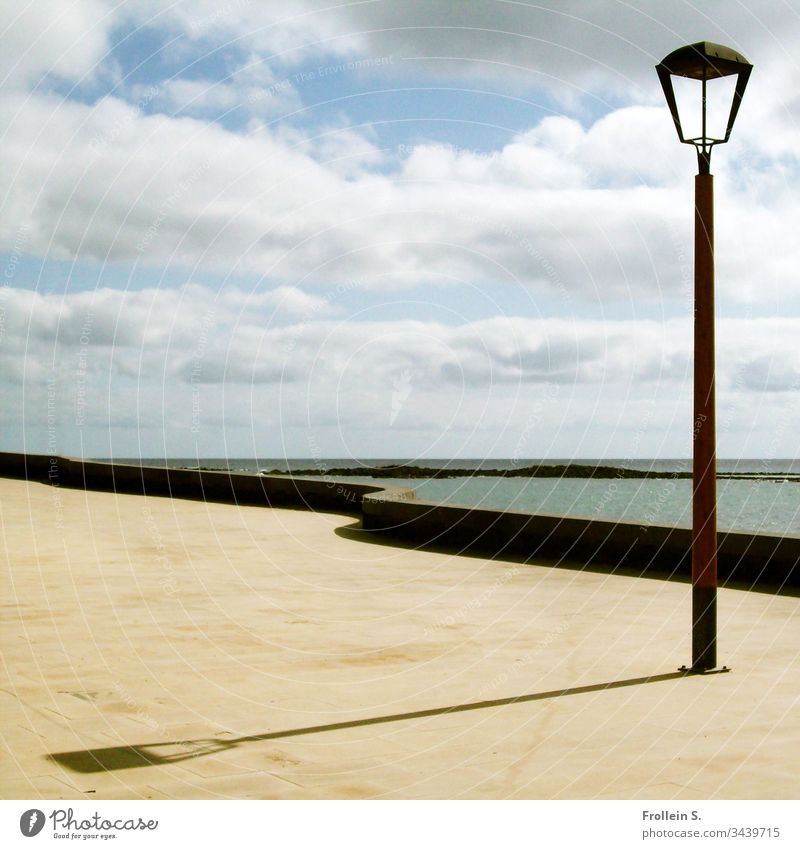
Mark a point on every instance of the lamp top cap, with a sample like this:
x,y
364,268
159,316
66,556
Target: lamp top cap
x,y
704,60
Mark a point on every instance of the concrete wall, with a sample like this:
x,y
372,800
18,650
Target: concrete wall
x,y
315,493
755,560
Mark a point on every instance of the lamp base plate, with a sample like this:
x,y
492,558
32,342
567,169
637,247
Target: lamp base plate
x,y
717,670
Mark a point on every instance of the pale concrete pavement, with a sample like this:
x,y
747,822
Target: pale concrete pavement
x,y
159,648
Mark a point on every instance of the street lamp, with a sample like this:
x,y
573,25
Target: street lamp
x,y
701,71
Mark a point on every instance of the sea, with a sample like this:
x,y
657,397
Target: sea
x,y
764,497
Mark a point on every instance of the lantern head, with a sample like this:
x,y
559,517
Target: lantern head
x,y
704,63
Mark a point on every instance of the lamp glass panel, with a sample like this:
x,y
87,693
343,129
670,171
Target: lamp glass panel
x,y
688,99
719,99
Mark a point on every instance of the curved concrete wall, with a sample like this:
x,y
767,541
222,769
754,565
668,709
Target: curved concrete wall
x,y
767,560
317,493
756,560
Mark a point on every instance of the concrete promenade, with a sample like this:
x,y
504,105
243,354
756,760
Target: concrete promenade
x,y
162,648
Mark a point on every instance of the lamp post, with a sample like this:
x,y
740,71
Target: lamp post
x,y
704,63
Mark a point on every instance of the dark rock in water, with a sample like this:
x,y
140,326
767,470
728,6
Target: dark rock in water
x,y
573,470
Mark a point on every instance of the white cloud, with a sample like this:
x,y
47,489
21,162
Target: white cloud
x,y
67,38
599,213
585,213
571,47
555,208
279,358
198,96
267,26
138,325
347,152
596,214
252,89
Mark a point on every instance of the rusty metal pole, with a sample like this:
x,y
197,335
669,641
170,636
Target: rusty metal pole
x,y
704,469
702,62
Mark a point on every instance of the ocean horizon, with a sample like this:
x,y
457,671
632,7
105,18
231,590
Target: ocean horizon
x,y
752,465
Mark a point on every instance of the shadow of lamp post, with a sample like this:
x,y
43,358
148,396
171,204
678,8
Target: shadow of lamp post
x,y
703,84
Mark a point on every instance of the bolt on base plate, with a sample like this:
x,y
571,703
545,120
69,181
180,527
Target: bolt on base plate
x,y
688,670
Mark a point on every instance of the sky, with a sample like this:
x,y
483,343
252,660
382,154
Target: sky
x,y
385,229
